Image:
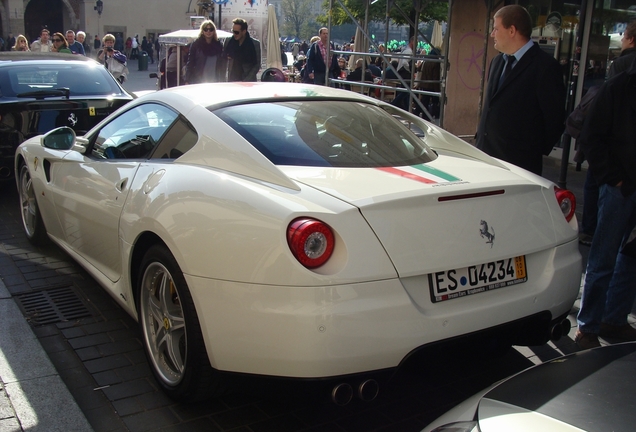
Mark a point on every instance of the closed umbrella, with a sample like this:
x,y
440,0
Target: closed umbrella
x,y
359,45
436,38
273,44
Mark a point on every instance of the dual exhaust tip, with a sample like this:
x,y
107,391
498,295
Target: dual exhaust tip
x,y
560,330
343,393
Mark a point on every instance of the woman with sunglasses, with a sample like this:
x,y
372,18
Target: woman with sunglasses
x,y
205,60
60,45
21,44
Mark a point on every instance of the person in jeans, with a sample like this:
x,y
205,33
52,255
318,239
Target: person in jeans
x,y
609,142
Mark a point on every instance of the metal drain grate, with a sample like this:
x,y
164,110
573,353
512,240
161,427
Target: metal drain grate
x,y
52,305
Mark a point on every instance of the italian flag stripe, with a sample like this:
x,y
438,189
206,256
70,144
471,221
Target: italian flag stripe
x,y
408,175
436,172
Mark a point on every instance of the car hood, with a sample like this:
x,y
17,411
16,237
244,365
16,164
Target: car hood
x,y
426,213
592,391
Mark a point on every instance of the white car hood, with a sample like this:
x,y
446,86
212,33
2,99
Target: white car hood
x,y
423,215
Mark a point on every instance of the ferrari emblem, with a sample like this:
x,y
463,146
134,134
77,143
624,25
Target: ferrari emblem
x,y
485,232
36,162
166,323
91,111
72,119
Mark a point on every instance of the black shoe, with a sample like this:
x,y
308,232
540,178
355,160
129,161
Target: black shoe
x,y
586,340
623,332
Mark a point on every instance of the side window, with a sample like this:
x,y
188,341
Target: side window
x,y
178,140
134,134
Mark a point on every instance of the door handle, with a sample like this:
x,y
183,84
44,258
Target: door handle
x,y
121,184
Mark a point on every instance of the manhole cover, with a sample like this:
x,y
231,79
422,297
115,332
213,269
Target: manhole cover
x,y
52,305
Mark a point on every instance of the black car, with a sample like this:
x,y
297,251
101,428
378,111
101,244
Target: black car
x,y
592,390
40,92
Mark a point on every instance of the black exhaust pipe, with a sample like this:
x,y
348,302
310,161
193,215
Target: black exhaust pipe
x,y
368,390
342,394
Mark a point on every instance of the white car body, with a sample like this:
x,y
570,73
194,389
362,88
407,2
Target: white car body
x,y
222,209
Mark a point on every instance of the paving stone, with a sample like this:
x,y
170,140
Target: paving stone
x,y
105,419
6,410
103,327
108,377
88,353
77,378
73,332
89,397
154,400
137,357
127,389
45,331
139,370
187,412
128,406
150,420
199,425
90,340
54,343
106,363
119,347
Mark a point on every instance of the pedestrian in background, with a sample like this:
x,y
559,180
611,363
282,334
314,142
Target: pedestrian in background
x,y
321,59
609,143
243,53
524,106
21,44
81,38
591,189
205,59
43,44
75,46
114,60
10,42
60,44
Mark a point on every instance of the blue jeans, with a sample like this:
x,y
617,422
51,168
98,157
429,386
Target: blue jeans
x,y
610,277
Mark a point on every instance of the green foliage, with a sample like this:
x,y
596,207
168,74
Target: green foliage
x,y
429,10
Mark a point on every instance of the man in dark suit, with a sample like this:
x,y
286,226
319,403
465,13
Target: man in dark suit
x,y
524,107
316,67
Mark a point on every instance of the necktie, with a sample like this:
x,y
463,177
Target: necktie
x,y
510,61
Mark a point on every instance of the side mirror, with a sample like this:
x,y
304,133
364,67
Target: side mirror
x,y
59,139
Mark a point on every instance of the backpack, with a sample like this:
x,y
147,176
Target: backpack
x,y
574,122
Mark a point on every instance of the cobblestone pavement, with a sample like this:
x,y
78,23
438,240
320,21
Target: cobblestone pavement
x,y
96,349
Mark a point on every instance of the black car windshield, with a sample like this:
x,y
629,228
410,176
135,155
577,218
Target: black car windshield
x,y
31,79
326,133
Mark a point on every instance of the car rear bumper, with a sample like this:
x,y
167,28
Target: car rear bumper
x,y
314,332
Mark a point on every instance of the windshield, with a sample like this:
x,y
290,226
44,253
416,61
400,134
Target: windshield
x,y
81,80
326,133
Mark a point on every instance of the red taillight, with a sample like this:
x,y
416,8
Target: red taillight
x,y
311,241
567,202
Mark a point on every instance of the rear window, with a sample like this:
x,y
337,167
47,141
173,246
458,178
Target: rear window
x,y
326,133
80,79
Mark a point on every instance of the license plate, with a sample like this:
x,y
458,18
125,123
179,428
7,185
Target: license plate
x,y
451,284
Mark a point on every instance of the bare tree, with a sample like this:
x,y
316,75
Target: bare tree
x,y
296,14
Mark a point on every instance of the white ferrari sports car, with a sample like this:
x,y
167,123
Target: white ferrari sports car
x,y
300,231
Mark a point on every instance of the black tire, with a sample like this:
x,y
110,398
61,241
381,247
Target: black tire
x,y
32,223
168,319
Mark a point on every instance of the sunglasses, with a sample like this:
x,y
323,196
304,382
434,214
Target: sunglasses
x,y
57,40
208,29
236,31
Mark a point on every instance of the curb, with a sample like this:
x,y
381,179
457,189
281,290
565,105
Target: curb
x,y
33,396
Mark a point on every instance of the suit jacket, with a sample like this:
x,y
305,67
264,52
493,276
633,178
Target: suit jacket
x,y
524,119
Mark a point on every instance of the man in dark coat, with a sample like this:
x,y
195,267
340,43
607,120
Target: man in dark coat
x,y
243,53
609,142
524,109
317,67
628,50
